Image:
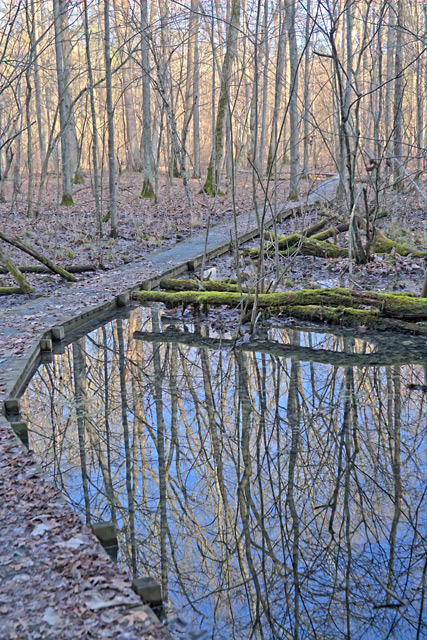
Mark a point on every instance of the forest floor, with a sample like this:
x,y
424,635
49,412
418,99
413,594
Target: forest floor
x,y
67,235
38,567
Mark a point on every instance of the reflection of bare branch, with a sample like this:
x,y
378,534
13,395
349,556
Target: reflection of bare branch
x,y
126,441
80,385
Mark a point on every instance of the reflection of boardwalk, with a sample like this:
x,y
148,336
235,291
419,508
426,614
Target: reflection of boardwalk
x,y
413,352
51,565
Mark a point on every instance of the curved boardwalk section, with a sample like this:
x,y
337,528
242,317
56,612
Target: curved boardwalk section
x,y
55,579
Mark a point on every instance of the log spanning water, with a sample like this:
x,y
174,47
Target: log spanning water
x,y
252,475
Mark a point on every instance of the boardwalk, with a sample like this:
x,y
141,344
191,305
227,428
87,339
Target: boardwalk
x,y
55,579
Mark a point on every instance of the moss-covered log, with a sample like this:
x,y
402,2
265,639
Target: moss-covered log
x,y
171,284
319,248
39,268
283,242
38,256
9,291
15,272
386,245
332,305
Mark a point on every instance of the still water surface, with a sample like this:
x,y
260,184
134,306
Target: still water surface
x,y
276,490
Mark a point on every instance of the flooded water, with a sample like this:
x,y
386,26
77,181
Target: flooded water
x,y
276,489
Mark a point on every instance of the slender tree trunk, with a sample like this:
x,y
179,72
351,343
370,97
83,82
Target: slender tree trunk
x,y
112,185
280,64
211,184
307,91
122,20
67,187
75,153
95,152
295,174
147,187
37,87
79,368
398,99
196,100
265,83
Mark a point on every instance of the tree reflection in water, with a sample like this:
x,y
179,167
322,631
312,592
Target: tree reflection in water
x,y
274,493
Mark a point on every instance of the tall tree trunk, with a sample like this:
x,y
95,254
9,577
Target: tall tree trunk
x,y
122,20
147,187
96,185
75,154
112,185
67,187
307,90
280,64
196,100
211,184
398,99
295,174
37,87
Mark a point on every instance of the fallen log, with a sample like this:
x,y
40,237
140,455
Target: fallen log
x,y
382,357
386,245
9,291
335,306
38,256
171,284
10,267
38,268
283,242
318,248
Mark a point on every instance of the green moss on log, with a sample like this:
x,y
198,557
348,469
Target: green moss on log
x,y
171,284
402,307
386,245
8,291
319,248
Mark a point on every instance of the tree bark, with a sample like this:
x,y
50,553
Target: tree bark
x,y
67,187
112,185
212,179
147,187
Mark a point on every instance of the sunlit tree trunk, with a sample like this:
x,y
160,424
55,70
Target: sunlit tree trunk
x,y
398,98
196,98
37,84
212,179
95,152
122,21
306,102
295,174
67,188
112,185
280,63
147,187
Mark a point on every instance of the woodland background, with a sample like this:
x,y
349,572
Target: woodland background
x,y
207,92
